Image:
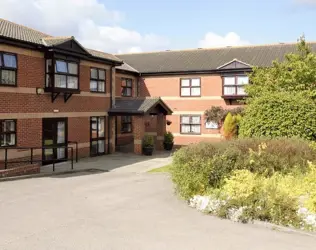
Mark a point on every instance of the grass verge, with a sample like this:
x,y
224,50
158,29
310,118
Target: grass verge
x,y
164,169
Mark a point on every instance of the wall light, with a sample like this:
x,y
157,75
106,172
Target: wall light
x,y
39,91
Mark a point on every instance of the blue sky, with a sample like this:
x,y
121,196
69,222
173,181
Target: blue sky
x,y
184,22
124,26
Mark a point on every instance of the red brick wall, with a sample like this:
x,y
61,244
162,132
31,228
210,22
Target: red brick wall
x,y
168,88
16,102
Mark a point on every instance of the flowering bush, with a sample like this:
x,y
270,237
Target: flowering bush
x,y
245,180
282,199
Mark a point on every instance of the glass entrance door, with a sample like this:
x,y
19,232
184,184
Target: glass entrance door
x,y
54,135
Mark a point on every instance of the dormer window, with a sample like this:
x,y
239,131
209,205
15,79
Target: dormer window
x,y
233,86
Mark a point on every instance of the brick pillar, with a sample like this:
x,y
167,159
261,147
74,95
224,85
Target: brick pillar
x,y
139,132
161,130
112,138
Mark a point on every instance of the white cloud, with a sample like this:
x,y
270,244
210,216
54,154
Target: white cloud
x,y
311,2
212,40
89,21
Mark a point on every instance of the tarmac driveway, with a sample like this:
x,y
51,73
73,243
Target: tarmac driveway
x,y
120,210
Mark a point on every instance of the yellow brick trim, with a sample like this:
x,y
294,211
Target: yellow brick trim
x,y
21,51
50,115
94,64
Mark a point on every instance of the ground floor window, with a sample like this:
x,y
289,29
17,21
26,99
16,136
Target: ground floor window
x,y
190,124
126,124
97,135
7,133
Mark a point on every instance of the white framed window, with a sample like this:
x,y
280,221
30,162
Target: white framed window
x,y
190,124
234,85
190,87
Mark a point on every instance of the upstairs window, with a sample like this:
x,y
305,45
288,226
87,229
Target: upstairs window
x,y
127,87
97,80
8,69
64,75
234,85
190,124
7,133
126,124
190,87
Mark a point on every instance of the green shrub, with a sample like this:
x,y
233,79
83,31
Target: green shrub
x,y
168,137
148,141
199,167
279,115
230,126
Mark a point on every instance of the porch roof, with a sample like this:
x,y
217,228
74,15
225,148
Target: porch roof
x,y
139,106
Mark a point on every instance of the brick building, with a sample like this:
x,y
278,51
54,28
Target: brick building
x,y
191,81
54,93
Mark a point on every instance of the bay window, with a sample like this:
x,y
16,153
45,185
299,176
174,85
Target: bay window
x,y
190,87
190,124
64,74
8,69
234,85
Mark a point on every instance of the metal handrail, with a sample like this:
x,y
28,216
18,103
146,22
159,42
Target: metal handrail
x,y
76,143
32,160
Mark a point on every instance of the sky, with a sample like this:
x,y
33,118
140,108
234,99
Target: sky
x,y
130,26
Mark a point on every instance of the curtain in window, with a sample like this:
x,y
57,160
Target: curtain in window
x,y
101,87
185,119
229,80
60,81
196,120
195,91
229,90
73,68
8,77
185,128
93,85
196,129
72,82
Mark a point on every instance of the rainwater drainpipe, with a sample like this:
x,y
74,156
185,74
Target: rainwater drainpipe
x,y
109,122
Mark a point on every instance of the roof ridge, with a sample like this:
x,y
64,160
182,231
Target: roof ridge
x,y
216,48
58,37
25,27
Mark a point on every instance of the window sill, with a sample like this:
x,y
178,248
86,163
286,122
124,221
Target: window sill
x,y
61,90
234,97
98,92
8,85
190,96
190,133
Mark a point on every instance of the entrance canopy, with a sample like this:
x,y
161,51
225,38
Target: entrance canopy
x,y
144,106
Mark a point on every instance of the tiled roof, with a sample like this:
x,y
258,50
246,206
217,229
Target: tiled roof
x,y
19,32
207,59
103,55
137,106
53,41
127,67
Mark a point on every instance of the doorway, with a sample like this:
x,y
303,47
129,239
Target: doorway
x,y
55,134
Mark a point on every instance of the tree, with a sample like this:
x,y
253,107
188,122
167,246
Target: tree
x,y
230,126
297,73
280,115
282,98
